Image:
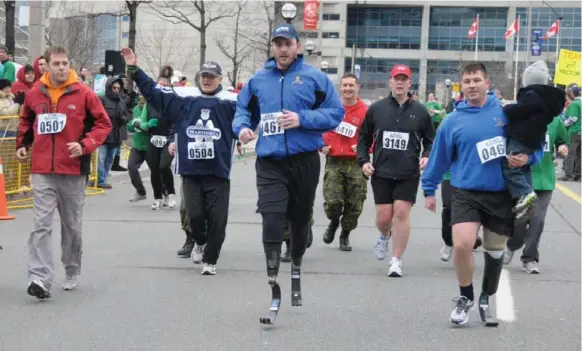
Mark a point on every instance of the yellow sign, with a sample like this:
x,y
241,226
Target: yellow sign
x,y
569,66
456,87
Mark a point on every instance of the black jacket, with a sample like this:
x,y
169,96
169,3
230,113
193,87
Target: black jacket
x,y
388,125
528,119
117,112
164,126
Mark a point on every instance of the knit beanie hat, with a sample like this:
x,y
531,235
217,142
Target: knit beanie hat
x,y
536,73
5,83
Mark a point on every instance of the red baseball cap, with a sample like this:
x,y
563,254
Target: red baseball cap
x,y
401,69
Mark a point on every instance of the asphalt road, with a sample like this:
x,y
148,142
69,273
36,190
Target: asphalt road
x,y
135,294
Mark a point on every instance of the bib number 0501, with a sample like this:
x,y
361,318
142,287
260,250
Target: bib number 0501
x,y
51,123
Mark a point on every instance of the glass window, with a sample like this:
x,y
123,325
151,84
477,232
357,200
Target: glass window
x,y
330,35
542,19
330,70
449,28
331,16
376,72
384,27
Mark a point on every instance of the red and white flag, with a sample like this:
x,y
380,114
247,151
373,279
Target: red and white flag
x,y
554,29
474,29
514,28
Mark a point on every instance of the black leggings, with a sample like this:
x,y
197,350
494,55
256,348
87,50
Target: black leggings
x,y
159,161
273,227
446,197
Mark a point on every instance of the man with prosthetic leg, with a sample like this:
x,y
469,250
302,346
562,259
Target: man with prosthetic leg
x,y
471,143
292,104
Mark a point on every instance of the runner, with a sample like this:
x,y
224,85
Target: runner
x,y
138,152
205,146
544,183
61,123
344,184
470,142
401,129
293,104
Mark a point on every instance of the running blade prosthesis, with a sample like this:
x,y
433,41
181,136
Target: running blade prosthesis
x,y
296,287
275,303
486,313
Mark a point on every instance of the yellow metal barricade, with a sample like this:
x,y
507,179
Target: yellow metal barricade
x,y
17,174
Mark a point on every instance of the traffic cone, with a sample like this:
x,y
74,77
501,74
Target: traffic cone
x,y
3,205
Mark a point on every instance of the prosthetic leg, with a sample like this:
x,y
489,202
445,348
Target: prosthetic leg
x,y
491,275
273,257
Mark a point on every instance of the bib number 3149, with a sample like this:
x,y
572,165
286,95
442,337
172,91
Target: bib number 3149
x,y
491,149
395,140
51,123
203,150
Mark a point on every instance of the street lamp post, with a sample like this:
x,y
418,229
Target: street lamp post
x,y
324,65
289,12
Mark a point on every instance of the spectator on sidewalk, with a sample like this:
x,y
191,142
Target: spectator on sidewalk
x,y
138,153
8,107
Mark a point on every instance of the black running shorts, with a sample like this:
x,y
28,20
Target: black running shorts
x,y
387,190
288,185
492,209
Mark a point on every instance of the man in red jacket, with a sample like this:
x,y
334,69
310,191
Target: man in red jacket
x,y
61,123
344,184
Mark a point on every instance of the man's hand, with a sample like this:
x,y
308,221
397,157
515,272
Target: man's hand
x,y
75,149
239,149
354,148
563,150
129,57
517,161
422,162
430,203
325,150
288,120
368,169
21,154
172,149
246,135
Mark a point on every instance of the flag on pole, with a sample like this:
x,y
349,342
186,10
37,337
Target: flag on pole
x,y
554,29
514,28
473,29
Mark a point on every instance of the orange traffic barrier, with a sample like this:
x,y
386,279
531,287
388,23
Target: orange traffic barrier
x,y
3,205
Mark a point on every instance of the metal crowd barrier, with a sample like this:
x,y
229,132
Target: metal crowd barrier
x,y
17,174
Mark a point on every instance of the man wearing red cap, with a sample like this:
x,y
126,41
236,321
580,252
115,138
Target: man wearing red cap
x,y
400,129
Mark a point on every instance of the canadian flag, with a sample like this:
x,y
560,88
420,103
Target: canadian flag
x,y
514,28
474,29
554,29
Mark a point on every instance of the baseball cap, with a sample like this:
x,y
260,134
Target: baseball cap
x,y
211,67
400,69
285,31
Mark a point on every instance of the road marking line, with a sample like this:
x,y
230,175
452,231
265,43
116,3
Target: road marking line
x,y
505,307
569,193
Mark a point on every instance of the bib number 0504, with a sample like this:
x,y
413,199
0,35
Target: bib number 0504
x,y
201,150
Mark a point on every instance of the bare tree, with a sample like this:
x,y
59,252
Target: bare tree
x,y
197,14
259,37
232,45
78,36
163,47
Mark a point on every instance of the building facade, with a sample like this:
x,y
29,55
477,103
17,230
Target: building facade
x,y
432,38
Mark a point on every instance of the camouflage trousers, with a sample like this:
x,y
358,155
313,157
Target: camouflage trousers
x,y
288,225
344,191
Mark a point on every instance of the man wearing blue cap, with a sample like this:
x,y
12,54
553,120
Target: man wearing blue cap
x,y
292,104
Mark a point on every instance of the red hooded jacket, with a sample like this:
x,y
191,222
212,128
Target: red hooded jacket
x,y
346,134
21,84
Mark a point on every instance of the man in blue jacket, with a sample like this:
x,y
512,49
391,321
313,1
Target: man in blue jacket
x,y
292,104
471,142
204,149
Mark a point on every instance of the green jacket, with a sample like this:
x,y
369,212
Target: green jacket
x,y
435,105
572,116
9,71
140,137
543,174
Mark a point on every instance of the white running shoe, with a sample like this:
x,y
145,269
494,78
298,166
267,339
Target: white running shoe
x,y
507,256
395,268
381,247
446,253
208,269
460,313
71,282
169,201
530,267
156,205
197,253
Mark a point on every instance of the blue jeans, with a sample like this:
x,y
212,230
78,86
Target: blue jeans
x,y
106,155
518,180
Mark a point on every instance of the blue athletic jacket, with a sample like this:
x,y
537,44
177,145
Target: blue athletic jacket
x,y
203,124
471,142
302,89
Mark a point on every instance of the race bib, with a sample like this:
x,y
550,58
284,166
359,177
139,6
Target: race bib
x,y
202,150
547,143
269,125
491,149
51,123
395,140
346,129
159,141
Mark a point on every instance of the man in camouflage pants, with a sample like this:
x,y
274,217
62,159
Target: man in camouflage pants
x,y
344,184
286,257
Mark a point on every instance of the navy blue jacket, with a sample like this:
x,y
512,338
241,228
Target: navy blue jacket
x,y
302,89
205,141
